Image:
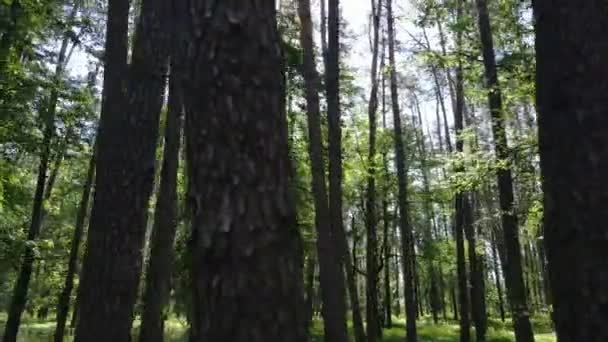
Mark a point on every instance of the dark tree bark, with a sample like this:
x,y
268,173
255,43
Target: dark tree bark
x,y
462,204
476,265
386,220
309,283
572,78
126,146
501,305
63,306
9,36
331,274
158,276
323,30
351,280
404,224
20,291
332,92
463,288
514,276
371,255
246,249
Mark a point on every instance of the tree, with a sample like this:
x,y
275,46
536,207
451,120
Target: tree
x,y
246,251
405,229
63,305
158,276
331,274
42,192
125,170
371,307
572,120
514,276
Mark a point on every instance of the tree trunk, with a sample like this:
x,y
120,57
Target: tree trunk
x,y
331,274
332,90
573,118
112,263
371,307
20,291
158,277
388,302
246,249
404,224
351,280
514,276
463,288
501,305
463,210
63,306
476,264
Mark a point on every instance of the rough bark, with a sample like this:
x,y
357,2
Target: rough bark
x,y
20,291
63,305
404,224
331,274
371,255
126,146
158,276
573,116
514,276
246,249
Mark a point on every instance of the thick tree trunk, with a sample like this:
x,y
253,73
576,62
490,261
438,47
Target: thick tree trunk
x,y
20,291
63,306
246,249
371,305
573,118
126,146
331,274
514,275
158,277
404,224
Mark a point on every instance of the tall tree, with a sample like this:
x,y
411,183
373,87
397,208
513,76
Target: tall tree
x,y
63,305
158,275
405,228
573,118
126,146
331,274
332,94
514,276
20,291
371,307
246,250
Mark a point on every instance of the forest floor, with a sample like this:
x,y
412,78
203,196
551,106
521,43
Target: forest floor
x,y
42,331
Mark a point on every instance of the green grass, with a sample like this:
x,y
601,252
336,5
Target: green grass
x,y
449,332
33,331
